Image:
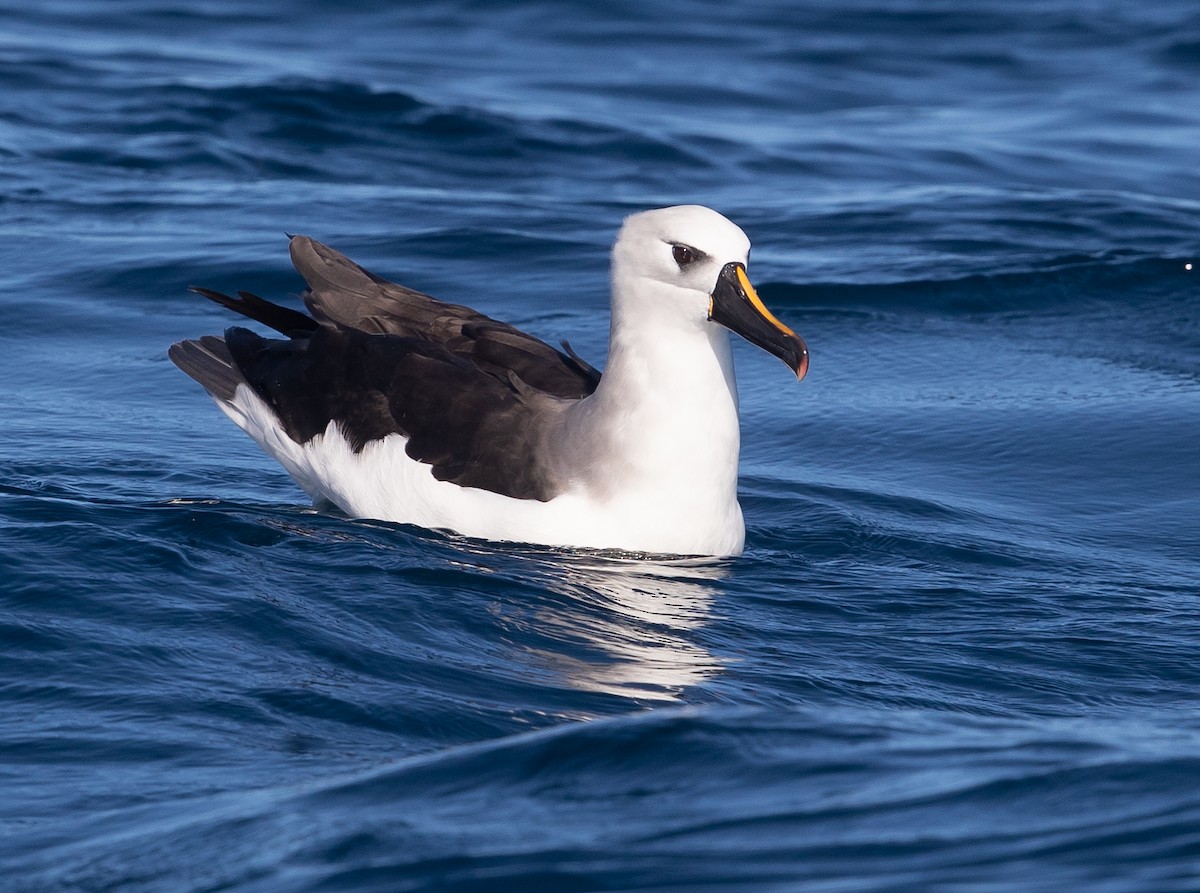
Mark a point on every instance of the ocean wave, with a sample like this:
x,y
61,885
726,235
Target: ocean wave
x,y
1073,281
303,129
744,799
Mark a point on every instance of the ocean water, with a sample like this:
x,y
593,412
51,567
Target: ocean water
x,y
962,650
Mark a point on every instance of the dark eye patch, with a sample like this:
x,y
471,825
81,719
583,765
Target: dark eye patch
x,y
685,254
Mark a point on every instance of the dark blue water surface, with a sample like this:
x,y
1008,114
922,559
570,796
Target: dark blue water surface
x,y
962,651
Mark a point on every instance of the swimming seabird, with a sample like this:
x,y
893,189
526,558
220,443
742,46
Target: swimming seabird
x,y
389,404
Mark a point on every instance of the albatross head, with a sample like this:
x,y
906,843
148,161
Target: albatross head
x,y
686,265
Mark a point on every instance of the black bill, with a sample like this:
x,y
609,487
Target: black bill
x,y
736,305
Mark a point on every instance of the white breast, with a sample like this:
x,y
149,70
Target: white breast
x,y
671,513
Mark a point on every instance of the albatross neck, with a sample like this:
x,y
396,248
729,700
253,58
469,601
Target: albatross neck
x,y
665,413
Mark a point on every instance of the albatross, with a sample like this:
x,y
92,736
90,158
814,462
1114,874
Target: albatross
x,y
387,403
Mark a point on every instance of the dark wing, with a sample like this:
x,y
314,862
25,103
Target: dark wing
x,y
209,362
344,294
282,319
473,396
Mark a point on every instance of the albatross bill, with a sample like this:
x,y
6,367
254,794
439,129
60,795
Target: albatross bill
x,y
389,404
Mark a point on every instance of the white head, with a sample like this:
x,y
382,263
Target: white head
x,y
684,268
666,262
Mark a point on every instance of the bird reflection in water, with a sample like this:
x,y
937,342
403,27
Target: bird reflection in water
x,y
623,627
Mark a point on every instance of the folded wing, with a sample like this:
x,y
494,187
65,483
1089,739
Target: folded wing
x,y
474,397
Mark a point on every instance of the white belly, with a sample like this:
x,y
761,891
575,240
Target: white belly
x,y
383,482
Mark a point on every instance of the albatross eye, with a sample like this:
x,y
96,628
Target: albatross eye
x,y
683,255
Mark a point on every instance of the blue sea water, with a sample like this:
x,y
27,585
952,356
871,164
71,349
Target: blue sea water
x,y
962,650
